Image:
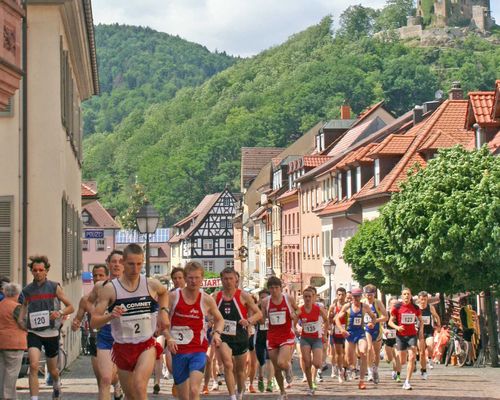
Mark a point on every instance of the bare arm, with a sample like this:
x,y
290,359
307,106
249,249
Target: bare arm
x,y
295,308
383,312
21,319
254,310
105,298
162,293
68,309
392,323
324,315
83,307
437,320
341,315
218,320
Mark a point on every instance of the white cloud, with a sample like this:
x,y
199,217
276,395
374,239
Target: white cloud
x,y
239,27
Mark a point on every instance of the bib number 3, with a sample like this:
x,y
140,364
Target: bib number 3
x,y
182,334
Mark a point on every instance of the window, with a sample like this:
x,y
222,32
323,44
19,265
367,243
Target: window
x,y
229,263
71,241
100,244
157,269
9,110
313,249
208,244
317,246
6,241
208,265
339,185
85,245
229,244
304,247
358,179
376,174
349,184
154,251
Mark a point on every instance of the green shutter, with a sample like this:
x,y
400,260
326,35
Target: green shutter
x,y
5,236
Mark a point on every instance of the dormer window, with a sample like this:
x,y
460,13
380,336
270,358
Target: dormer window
x,y
339,185
358,179
349,184
376,173
320,141
277,180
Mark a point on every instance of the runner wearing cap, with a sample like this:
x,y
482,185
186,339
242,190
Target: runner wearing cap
x,y
355,332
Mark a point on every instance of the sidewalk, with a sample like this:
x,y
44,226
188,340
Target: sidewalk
x,y
445,383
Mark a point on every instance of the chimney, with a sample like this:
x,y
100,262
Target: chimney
x,y
345,111
418,115
456,92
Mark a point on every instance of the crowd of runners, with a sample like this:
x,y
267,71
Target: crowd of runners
x,y
141,330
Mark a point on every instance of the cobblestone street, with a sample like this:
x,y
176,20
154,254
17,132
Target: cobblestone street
x,y
444,383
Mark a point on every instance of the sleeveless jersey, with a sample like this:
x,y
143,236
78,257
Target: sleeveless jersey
x,y
138,323
232,311
280,320
312,322
188,324
406,316
427,319
336,331
375,331
355,320
41,301
389,333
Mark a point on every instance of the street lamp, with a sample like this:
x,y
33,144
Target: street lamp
x,y
147,220
329,266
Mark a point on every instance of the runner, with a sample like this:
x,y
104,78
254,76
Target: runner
x,y
41,310
136,309
100,273
337,338
265,365
314,321
431,320
187,340
403,317
234,305
374,335
355,332
252,358
281,310
389,340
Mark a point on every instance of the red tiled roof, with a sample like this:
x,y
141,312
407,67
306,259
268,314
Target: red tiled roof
x,y
494,144
254,158
357,156
314,161
440,140
449,119
393,145
287,194
88,190
338,207
495,112
482,105
100,217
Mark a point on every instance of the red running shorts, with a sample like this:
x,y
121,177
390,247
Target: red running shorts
x,y
125,355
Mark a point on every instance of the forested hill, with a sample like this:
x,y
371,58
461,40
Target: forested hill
x,y
139,67
184,148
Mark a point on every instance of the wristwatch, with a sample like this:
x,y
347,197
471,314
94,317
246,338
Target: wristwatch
x,y
164,309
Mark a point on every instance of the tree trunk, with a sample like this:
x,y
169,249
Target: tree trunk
x,y
492,327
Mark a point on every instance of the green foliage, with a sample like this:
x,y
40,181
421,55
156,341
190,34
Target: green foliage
x,y
136,201
394,14
441,232
357,21
186,147
138,67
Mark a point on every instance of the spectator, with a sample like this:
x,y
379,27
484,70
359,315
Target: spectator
x,y
12,341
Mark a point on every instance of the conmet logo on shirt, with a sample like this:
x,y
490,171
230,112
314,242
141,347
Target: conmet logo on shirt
x,y
138,304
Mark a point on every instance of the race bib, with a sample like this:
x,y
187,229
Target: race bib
x,y
229,328
390,334
356,321
426,319
337,330
182,334
40,319
264,326
407,319
135,326
277,317
367,319
312,327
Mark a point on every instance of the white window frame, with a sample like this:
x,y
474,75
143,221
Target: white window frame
x,y
209,265
349,184
85,245
100,244
358,179
376,172
339,185
229,244
208,244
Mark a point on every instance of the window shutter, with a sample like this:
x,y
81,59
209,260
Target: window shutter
x,y
5,236
9,110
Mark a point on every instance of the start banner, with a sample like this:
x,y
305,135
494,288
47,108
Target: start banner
x,y
212,282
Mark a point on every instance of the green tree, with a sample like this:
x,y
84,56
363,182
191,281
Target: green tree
x,y
136,201
356,22
394,14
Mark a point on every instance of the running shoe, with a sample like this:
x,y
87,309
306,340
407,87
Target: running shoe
x,y
324,367
310,392
376,378
394,375
269,387
205,390
431,365
424,375
334,371
398,378
314,386
118,397
260,385
156,389
406,385
215,386
319,376
370,376
251,389
283,396
56,394
304,379
361,385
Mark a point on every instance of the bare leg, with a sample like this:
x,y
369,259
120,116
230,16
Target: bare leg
x,y
106,371
227,359
305,359
362,347
252,366
239,370
34,357
411,362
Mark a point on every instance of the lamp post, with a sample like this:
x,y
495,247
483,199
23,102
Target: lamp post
x,y
329,266
147,221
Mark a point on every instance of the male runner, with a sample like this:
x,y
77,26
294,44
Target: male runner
x,y
187,338
137,307
265,364
41,305
337,338
281,310
100,273
389,339
355,332
403,318
234,306
314,322
374,335
431,320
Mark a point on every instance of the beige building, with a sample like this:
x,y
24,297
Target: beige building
x,y
41,155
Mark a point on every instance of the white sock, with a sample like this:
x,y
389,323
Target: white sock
x,y
57,384
232,397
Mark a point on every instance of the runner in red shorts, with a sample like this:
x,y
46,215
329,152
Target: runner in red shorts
x,y
137,308
281,311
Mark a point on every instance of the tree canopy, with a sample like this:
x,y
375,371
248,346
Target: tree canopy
x,y
441,232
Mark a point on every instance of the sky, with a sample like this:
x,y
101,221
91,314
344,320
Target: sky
x,y
238,27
